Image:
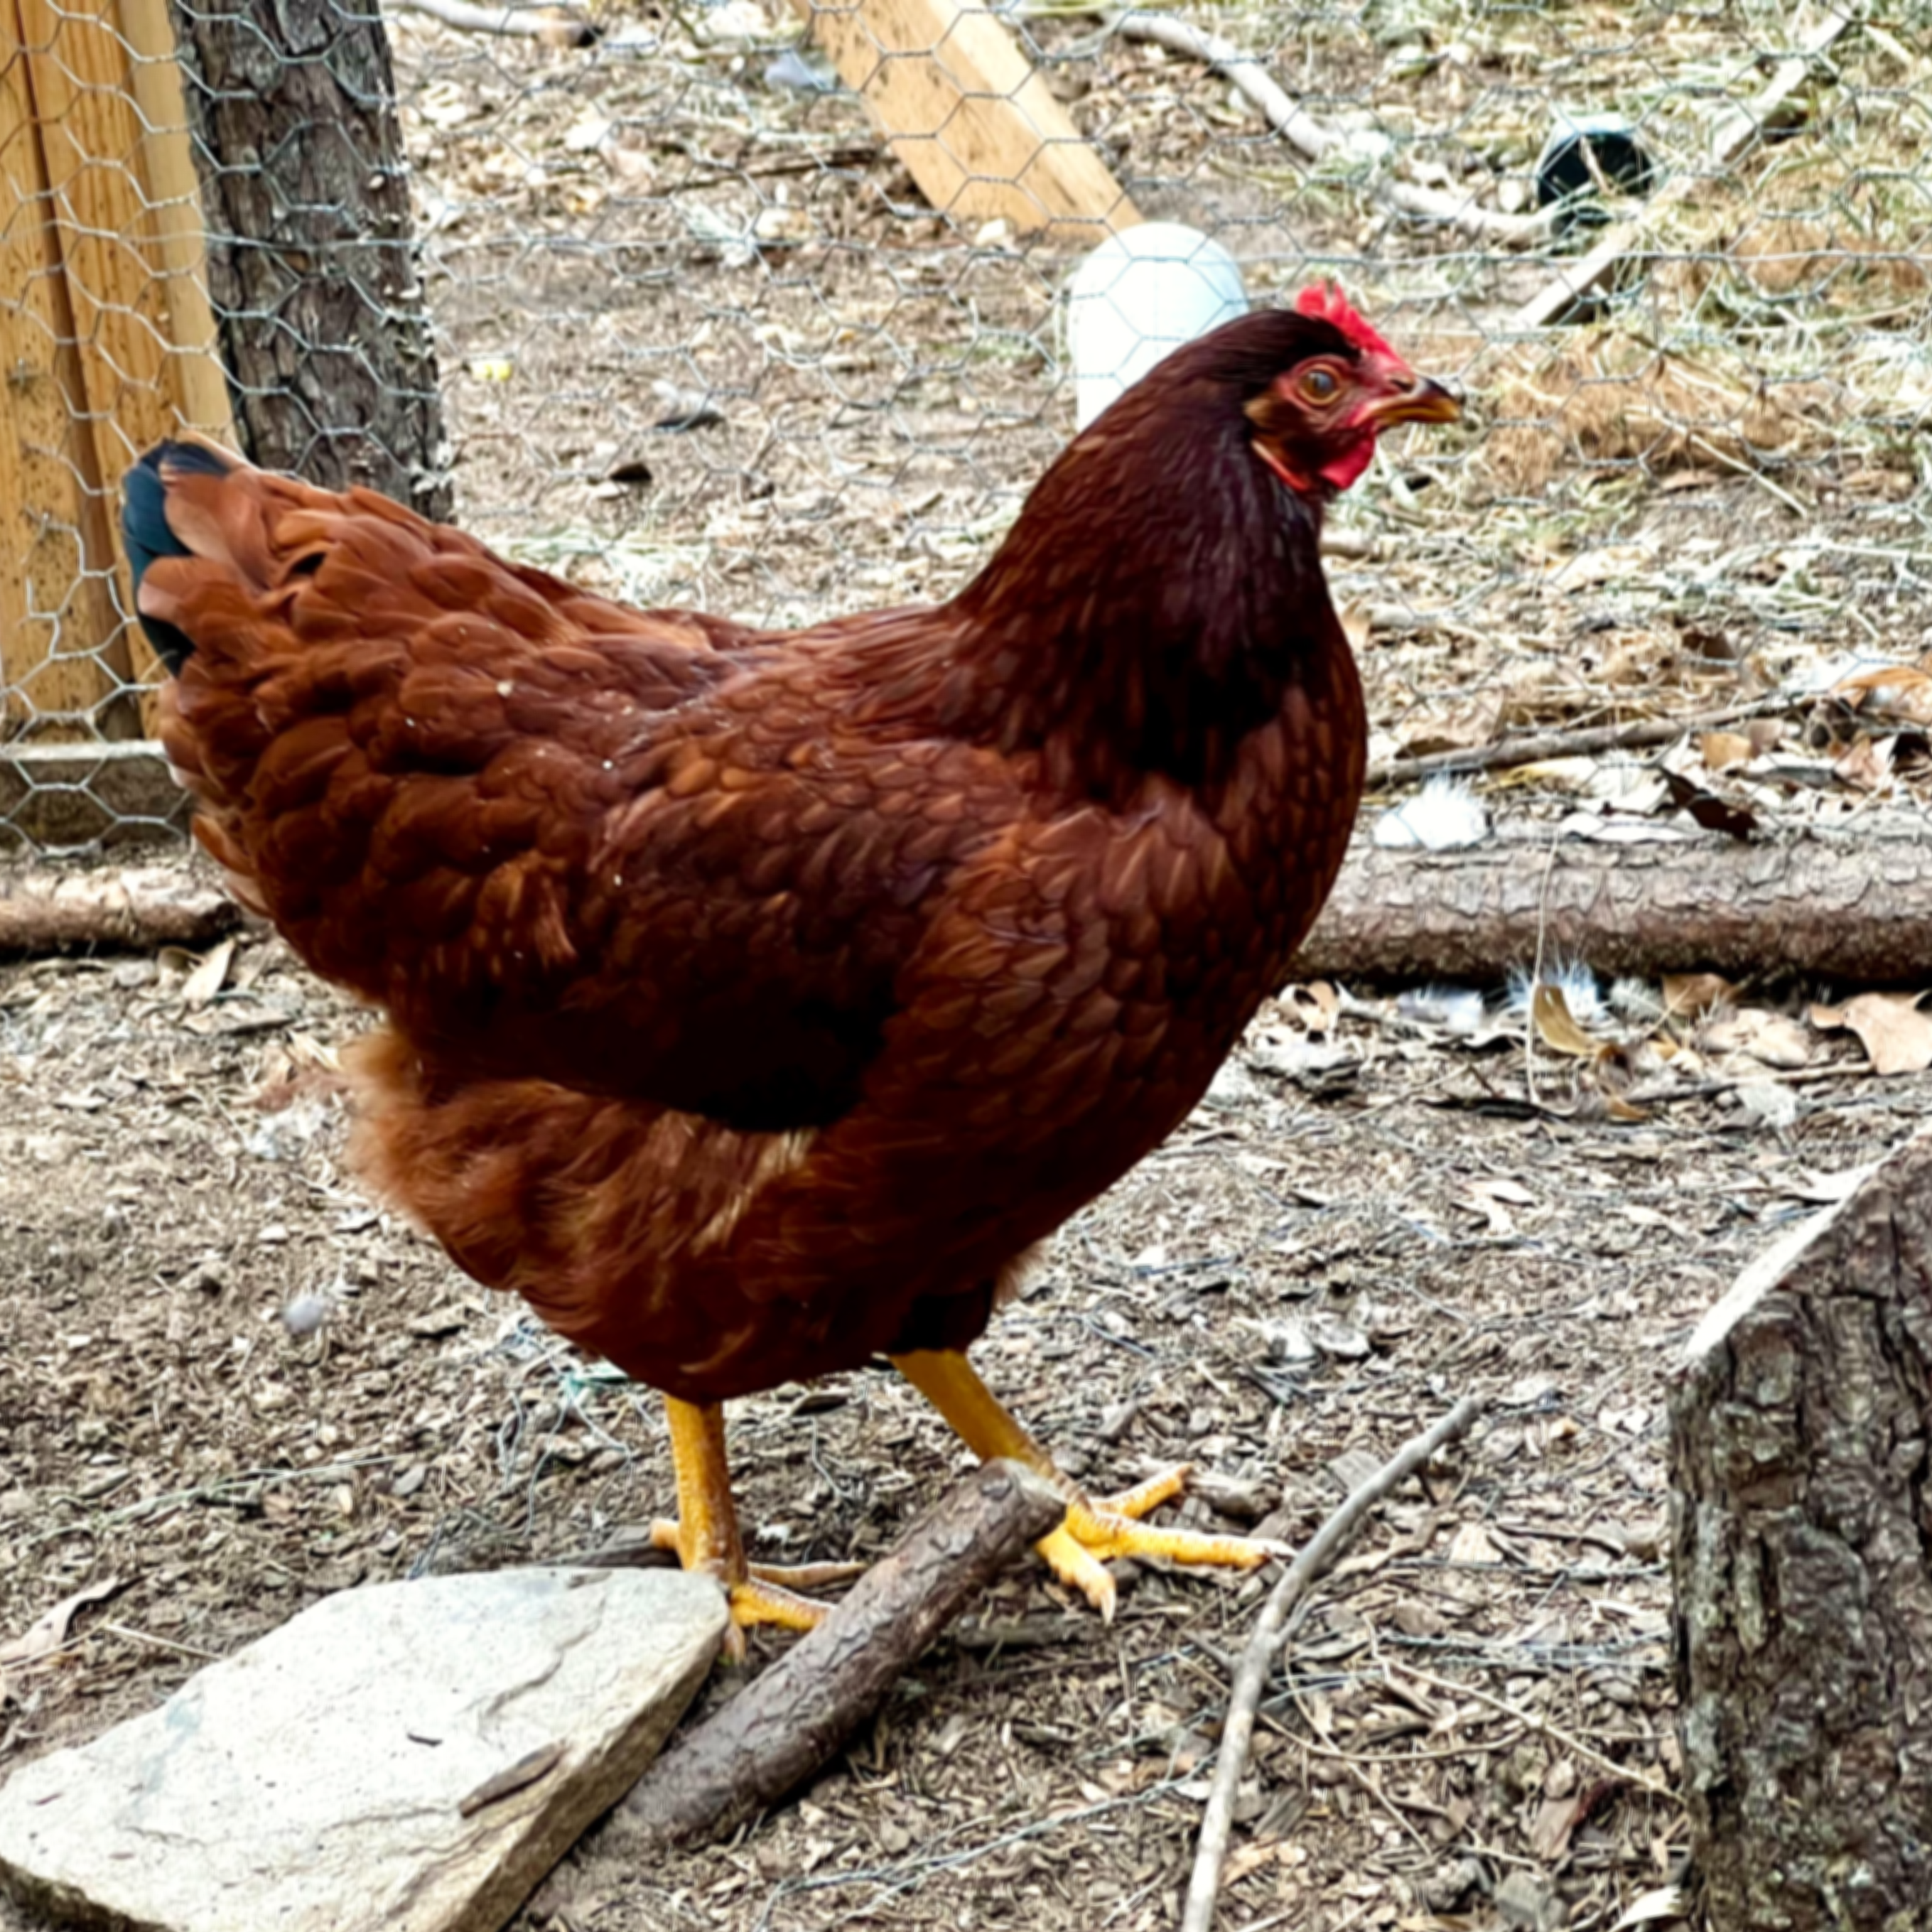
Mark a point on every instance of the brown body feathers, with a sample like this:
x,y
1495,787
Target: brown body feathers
x,y
756,1001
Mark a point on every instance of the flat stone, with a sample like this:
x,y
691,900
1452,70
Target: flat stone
x,y
411,1756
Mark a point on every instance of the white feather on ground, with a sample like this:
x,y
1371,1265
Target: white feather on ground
x,y
1444,815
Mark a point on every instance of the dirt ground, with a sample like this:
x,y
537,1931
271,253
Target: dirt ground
x,y
1317,1266
230,1384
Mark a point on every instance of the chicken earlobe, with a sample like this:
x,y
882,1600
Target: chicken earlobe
x,y
1094,1534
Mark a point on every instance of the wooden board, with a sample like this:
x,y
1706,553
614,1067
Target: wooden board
x,y
106,134
977,128
56,606
90,140
196,386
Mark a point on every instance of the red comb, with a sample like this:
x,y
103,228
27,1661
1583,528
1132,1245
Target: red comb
x,y
1326,302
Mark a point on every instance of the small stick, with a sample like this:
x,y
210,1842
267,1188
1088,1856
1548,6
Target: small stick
x,y
782,1727
1543,1727
1507,752
1311,139
551,24
1733,135
1237,1730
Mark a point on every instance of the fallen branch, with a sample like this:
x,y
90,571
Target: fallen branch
x,y
1313,140
43,910
1852,904
1237,1729
781,1728
1583,741
554,25
1732,135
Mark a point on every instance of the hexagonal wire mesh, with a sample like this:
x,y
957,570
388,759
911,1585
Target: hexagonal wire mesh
x,y
702,338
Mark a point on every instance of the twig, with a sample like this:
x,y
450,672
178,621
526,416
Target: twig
x,y
782,1728
1543,1727
1237,1730
1314,141
1583,742
1729,138
552,25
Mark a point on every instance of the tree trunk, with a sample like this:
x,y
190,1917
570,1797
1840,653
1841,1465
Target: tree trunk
x,y
1802,1542
310,261
1855,905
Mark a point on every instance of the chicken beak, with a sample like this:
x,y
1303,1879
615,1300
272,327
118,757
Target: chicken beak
x,y
1409,397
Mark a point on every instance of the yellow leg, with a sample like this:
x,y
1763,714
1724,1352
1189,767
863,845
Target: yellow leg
x,y
1092,1533
706,1533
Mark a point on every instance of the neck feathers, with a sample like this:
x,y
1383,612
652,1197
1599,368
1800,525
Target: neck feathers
x,y
1160,594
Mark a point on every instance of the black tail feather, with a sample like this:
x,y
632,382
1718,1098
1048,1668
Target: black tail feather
x,y
144,530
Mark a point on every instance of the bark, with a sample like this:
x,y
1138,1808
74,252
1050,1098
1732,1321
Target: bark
x,y
43,910
1854,905
782,1728
311,265
1802,1543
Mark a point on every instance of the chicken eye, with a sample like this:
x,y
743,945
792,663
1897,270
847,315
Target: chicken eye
x,y
1320,385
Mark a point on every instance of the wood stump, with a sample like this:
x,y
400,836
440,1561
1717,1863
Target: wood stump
x,y
1801,1541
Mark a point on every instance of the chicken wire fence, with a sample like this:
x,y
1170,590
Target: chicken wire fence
x,y
762,309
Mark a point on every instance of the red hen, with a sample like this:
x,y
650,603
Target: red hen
x,y
757,1003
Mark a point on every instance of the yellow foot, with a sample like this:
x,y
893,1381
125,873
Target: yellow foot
x,y
1096,1534
762,1594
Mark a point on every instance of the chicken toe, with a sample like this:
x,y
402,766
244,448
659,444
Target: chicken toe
x,y
1094,1534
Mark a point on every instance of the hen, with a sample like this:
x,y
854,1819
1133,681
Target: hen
x,y
758,1002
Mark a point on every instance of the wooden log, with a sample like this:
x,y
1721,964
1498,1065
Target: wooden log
x,y
783,1727
1799,1426
972,122
46,911
1855,906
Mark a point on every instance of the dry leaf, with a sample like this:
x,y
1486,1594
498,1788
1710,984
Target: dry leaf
x,y
1884,677
1690,995
1556,1028
1713,813
1454,727
1867,765
48,1632
1418,1619
1471,1544
1722,749
1550,1830
1603,563
1355,624
209,976
1246,1859
1772,1039
1666,1902
1896,1036
1316,1007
